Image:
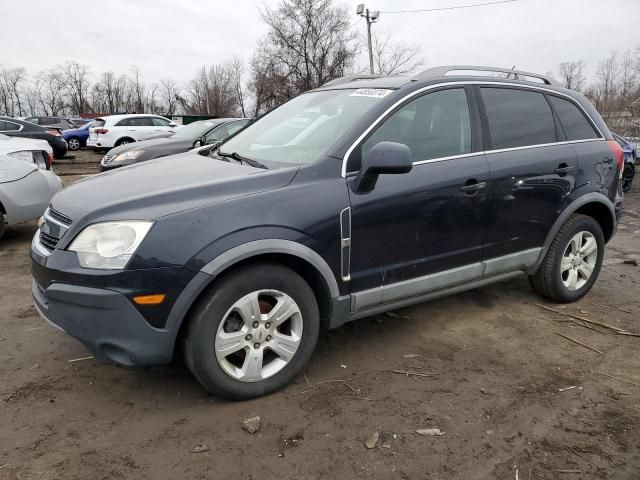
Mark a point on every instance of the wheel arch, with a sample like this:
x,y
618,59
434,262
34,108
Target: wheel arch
x,y
595,205
117,142
299,258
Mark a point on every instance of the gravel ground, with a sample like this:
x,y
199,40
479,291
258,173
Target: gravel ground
x,y
513,398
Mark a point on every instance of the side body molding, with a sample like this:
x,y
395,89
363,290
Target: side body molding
x,y
258,247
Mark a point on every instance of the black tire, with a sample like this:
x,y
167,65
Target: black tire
x,y
59,155
124,141
74,144
199,350
2,225
547,281
627,177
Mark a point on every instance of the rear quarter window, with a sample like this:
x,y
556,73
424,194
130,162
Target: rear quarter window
x,y
97,123
575,124
518,118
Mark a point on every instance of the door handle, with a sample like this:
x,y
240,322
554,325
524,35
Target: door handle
x,y
472,187
563,168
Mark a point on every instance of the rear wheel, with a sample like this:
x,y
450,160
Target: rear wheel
x,y
2,224
74,144
572,262
123,141
627,176
254,333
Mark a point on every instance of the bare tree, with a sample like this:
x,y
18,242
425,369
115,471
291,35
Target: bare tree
x,y
76,79
49,88
395,57
310,42
608,75
169,96
138,90
628,74
12,82
236,72
211,92
572,75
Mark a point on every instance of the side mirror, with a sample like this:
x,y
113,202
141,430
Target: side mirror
x,y
383,158
199,142
173,124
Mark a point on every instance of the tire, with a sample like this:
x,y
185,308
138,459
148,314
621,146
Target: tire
x,y
627,176
124,141
223,319
554,279
2,225
74,144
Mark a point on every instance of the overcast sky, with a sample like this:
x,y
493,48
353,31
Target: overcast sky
x,y
173,38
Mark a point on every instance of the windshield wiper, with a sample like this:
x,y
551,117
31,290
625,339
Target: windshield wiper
x,y
241,159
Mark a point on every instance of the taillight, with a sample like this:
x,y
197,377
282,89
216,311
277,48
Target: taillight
x,y
49,159
618,154
102,131
54,132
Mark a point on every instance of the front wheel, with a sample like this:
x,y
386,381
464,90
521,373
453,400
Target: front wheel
x,y
254,333
572,262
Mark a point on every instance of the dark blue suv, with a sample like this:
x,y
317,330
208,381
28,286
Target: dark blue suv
x,y
365,195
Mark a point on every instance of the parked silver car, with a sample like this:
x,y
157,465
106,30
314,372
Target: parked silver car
x,y
27,182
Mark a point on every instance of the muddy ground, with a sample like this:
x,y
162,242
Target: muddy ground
x,y
514,399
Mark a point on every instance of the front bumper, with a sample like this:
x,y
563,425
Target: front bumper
x,y
97,308
106,322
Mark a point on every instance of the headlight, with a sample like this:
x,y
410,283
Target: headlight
x,y
109,245
130,155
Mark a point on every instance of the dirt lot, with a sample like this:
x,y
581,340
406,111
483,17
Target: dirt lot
x,y
515,399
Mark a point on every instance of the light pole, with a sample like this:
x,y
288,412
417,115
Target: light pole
x,y
370,17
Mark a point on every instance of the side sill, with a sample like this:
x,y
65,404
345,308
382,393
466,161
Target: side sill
x,y
434,294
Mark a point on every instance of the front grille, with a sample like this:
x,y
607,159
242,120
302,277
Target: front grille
x,y
59,216
48,241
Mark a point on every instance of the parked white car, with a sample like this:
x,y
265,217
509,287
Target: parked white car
x,y
115,130
27,182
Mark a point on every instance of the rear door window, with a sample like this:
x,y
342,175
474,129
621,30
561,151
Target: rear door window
x,y
160,122
518,118
575,124
8,126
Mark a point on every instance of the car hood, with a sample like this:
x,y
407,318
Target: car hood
x,y
16,144
158,147
153,189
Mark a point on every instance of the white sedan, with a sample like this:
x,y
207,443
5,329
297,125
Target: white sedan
x,y
27,182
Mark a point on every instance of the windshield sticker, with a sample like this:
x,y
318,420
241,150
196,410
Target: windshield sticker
x,y
371,92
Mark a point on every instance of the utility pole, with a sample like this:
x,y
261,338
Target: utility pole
x,y
370,17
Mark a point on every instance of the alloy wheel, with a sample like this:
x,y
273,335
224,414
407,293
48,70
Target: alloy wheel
x,y
259,335
579,260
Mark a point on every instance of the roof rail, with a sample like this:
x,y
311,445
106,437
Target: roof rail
x,y
517,74
352,78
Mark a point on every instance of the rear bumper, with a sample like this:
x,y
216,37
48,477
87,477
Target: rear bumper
x,y
99,143
104,321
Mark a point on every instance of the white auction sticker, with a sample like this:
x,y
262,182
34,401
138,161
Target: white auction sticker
x,y
371,92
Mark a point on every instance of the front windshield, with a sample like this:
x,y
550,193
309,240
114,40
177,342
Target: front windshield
x,y
303,129
195,130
